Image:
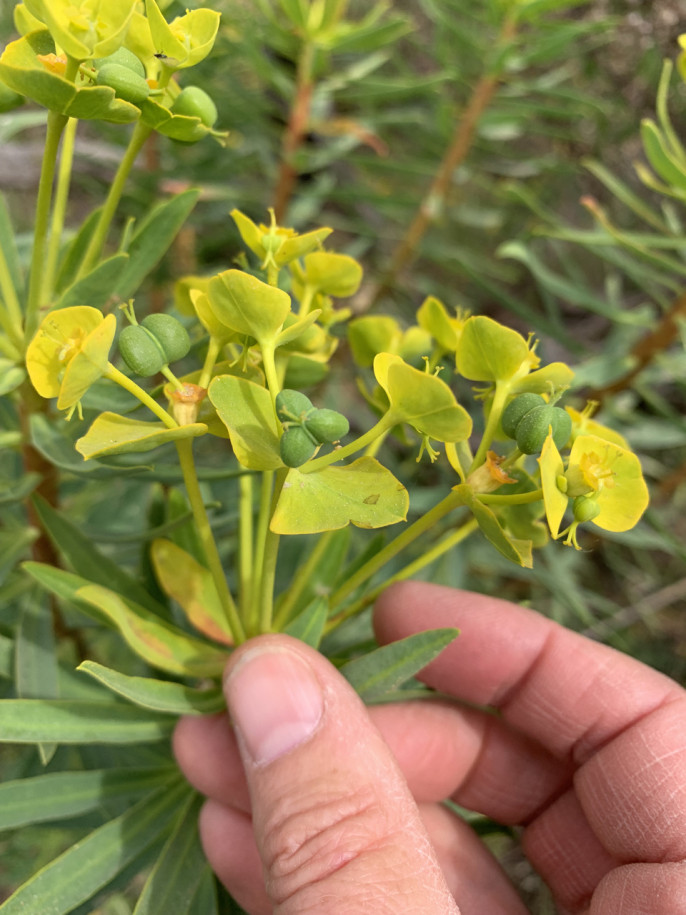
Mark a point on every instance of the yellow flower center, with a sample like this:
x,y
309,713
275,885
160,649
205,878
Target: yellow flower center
x,y
71,345
595,473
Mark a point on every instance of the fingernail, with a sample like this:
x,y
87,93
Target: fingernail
x,y
275,702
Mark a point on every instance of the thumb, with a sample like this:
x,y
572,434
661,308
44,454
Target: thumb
x,y
335,824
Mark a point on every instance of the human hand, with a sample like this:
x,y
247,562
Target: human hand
x,y
588,753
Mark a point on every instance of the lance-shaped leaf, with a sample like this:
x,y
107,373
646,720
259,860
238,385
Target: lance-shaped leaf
x,y
111,433
247,305
362,493
518,551
422,400
22,71
59,795
488,351
247,411
158,695
76,875
171,885
160,644
191,585
332,274
308,626
78,721
381,672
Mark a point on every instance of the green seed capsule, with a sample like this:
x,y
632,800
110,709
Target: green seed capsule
x,y
327,425
532,429
170,333
127,85
585,508
296,446
194,102
124,58
141,351
292,406
517,409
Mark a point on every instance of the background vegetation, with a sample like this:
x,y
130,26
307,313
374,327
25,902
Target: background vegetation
x,y
454,155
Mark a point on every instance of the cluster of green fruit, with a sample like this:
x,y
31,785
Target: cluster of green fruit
x,y
149,346
528,418
124,72
306,427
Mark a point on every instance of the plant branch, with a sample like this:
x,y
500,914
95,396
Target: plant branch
x,y
59,207
296,130
434,200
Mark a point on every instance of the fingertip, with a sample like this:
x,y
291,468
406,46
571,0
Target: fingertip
x,y
207,753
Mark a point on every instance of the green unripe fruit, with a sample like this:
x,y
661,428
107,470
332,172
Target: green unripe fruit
x,y
170,333
327,425
585,508
141,351
127,85
124,58
296,446
292,406
193,102
532,429
517,409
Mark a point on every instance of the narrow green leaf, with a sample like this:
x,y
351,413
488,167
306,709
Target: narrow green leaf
x,y
158,695
6,657
78,721
205,900
97,288
64,586
152,239
75,251
14,543
16,490
90,864
386,668
59,795
518,551
11,376
157,642
664,163
308,626
172,884
36,660
8,244
89,562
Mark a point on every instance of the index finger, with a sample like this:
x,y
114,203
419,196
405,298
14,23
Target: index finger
x,y
570,694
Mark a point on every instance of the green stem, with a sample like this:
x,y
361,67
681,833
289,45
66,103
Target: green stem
x,y
383,425
271,552
499,398
56,124
184,448
269,366
263,518
306,300
425,523
438,550
140,134
300,580
272,274
13,344
59,207
213,350
518,498
245,540
123,381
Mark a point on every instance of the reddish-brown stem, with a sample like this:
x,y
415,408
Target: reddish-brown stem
x,y
296,130
455,155
648,347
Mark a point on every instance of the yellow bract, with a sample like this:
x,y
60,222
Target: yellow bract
x,y
69,352
84,28
598,469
